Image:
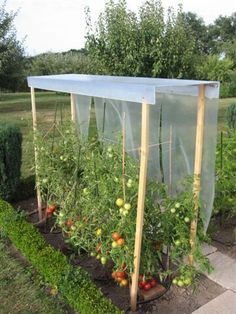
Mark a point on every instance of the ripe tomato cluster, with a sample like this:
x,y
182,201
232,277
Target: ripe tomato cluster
x,y
121,277
146,283
118,241
50,210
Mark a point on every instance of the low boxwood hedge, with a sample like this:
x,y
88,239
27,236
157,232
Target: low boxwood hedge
x,y
74,283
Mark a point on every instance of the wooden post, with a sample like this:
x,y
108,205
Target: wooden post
x,y
170,160
39,198
197,168
141,199
123,154
73,107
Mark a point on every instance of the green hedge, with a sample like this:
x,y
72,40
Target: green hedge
x,y
10,159
74,283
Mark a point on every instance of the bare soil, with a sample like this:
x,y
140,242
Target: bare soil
x,y
175,301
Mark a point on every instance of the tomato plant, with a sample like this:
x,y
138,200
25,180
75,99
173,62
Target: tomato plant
x,y
97,209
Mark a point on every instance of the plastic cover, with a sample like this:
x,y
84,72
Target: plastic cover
x,y
172,138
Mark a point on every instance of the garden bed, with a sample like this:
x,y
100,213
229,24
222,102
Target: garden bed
x,y
176,300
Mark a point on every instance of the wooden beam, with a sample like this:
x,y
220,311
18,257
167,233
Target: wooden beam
x,y
73,107
141,200
197,168
34,117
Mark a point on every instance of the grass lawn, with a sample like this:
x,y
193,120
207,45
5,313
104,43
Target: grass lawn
x,y
16,107
18,293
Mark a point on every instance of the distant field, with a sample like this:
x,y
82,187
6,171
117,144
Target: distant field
x,y
16,108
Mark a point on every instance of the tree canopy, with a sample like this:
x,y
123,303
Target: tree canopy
x,y
11,52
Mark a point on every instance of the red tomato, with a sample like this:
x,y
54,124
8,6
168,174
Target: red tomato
x,y
140,285
115,236
120,242
147,287
113,275
121,274
153,283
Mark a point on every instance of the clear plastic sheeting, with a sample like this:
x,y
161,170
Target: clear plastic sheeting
x,y
178,134
83,105
173,122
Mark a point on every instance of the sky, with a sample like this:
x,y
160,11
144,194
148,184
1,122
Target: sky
x,y
57,25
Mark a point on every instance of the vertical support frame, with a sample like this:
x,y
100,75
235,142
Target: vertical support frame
x,y
144,152
197,168
73,107
34,117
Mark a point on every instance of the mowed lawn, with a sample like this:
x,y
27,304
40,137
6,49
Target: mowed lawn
x,y
16,108
18,293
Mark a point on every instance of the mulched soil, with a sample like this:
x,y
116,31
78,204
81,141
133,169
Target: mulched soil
x,y
175,301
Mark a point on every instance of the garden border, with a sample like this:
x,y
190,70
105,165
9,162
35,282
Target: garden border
x,y
74,283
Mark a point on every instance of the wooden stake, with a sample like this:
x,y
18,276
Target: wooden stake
x,y
141,199
73,107
123,153
170,160
39,198
197,168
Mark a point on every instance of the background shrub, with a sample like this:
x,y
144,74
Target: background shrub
x,y
10,160
231,116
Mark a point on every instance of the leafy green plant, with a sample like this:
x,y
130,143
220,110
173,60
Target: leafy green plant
x,y
10,159
73,283
95,189
231,116
225,198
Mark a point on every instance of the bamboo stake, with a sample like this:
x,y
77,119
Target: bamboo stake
x,y
141,198
197,168
123,153
39,198
170,160
73,107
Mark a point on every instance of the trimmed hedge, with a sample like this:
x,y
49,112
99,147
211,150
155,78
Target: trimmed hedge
x,y
73,283
10,159
231,116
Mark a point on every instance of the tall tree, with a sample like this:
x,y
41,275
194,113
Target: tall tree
x,y
125,43
11,52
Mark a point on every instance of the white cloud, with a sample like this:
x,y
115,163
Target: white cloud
x,y
57,25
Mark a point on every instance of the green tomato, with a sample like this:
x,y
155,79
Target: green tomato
x,y
114,244
98,256
127,206
85,190
93,254
129,185
121,210
187,281
174,281
61,214
119,202
109,149
186,219
172,210
45,180
177,205
110,155
73,228
177,242
130,181
177,215
180,283
116,179
98,232
103,260
125,212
